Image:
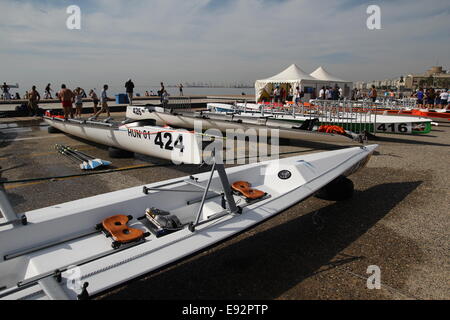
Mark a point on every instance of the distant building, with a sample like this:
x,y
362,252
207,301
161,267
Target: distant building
x,y
361,85
434,77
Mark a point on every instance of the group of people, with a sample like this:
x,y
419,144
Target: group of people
x,y
69,98
430,98
161,91
329,93
281,95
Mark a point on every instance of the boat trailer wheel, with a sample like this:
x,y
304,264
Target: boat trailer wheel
x,y
339,189
119,153
53,130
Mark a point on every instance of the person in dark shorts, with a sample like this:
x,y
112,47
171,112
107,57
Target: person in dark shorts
x,y
48,92
160,92
419,96
79,93
373,94
444,98
33,100
430,95
129,85
104,108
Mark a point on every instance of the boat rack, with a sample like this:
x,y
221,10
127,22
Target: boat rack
x,y
9,215
228,203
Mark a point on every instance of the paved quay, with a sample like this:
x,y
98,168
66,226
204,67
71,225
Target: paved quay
x,y
398,220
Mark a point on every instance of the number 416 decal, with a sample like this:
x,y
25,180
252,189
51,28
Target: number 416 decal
x,y
394,127
164,141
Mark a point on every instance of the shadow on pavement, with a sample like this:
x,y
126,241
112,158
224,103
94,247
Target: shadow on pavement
x,y
269,263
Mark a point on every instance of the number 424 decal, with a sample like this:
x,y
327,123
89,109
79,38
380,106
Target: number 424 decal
x,y
165,140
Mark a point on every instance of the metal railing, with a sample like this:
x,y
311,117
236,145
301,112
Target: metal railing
x,y
180,102
355,116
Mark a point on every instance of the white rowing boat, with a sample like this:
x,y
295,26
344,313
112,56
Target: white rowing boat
x,y
352,121
177,145
82,248
222,122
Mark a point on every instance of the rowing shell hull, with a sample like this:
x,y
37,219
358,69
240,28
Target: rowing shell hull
x,y
223,123
355,122
165,143
29,275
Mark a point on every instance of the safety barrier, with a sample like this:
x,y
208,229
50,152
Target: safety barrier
x,y
180,102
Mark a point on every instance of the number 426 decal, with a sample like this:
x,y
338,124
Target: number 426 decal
x,y
165,140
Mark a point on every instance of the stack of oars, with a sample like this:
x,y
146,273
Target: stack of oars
x,y
87,162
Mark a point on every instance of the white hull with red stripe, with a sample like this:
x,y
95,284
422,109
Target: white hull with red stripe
x,y
162,142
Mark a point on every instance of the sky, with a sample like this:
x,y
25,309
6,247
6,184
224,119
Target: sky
x,y
217,40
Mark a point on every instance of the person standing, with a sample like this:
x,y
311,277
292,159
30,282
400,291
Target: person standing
x,y
391,95
181,89
5,89
33,100
160,92
322,93
354,94
95,100
329,93
448,99
66,97
437,98
48,90
419,95
373,94
276,94
283,95
290,96
444,98
104,102
430,95
79,93
129,85
334,93
165,100
298,95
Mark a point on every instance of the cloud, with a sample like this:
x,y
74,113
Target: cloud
x,y
217,40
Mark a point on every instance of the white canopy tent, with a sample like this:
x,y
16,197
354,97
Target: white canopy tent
x,y
293,76
332,81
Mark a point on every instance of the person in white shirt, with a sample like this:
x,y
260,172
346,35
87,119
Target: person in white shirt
x,y
329,94
276,94
322,93
104,103
298,95
78,101
165,98
444,99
